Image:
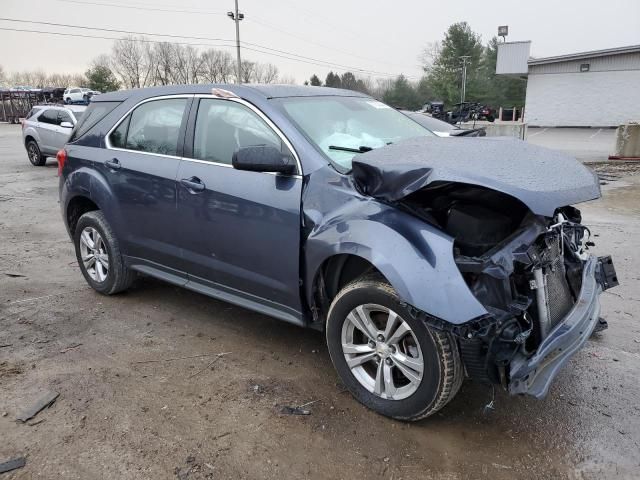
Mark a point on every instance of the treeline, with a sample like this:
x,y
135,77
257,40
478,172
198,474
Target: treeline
x,y
442,78
135,62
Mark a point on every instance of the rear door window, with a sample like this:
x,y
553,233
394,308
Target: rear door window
x,y
49,117
154,126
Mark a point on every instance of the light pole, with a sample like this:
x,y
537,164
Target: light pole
x,y
237,16
465,61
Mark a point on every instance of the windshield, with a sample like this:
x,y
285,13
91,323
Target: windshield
x,y
343,127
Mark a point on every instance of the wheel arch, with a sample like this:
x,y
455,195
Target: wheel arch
x,y
416,259
85,190
78,206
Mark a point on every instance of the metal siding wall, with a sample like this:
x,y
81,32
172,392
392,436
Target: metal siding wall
x,y
628,61
593,99
512,58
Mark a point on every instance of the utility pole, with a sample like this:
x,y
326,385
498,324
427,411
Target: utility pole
x,y
465,62
236,17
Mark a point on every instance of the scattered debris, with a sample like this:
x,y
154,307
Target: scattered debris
x,y
294,411
12,464
178,358
490,407
14,274
76,345
191,467
45,401
218,356
4,345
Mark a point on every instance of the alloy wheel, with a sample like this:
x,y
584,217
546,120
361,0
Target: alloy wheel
x,y
34,154
93,252
382,352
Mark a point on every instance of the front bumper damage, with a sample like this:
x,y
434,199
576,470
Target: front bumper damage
x,y
533,375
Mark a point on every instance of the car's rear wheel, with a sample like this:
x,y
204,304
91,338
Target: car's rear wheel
x,y
390,361
35,156
98,254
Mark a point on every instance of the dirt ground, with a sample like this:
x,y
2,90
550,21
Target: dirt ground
x,y
143,394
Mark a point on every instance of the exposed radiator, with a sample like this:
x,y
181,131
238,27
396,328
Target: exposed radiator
x,y
553,295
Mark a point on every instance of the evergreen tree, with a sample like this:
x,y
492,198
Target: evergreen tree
x,y
102,79
315,81
402,95
333,80
445,75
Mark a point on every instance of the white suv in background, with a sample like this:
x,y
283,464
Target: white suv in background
x,y
76,94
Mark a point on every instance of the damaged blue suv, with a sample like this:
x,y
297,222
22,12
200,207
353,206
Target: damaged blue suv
x,y
424,260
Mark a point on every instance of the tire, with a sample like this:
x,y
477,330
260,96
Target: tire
x,y
442,371
106,278
67,100
35,156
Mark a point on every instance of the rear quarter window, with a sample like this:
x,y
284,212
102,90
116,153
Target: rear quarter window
x,y
91,116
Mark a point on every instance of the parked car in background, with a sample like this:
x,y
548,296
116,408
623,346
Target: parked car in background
x,y
444,129
46,129
422,259
77,95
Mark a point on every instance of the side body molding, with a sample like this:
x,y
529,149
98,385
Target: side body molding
x,y
415,257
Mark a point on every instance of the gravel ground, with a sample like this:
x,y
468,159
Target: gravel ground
x,y
143,393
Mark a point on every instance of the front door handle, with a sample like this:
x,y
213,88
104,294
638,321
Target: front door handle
x,y
193,184
113,164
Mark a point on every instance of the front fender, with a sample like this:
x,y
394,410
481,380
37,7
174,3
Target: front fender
x,y
415,257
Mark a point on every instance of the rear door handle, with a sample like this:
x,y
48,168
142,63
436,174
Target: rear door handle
x,y
113,164
193,184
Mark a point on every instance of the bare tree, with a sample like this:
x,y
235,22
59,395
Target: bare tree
x,y
216,66
265,73
161,60
429,55
129,63
247,71
39,79
3,79
287,80
187,64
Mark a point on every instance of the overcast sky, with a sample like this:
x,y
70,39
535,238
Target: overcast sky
x,y
372,35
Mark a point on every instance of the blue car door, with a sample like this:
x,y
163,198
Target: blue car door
x,y
240,230
140,164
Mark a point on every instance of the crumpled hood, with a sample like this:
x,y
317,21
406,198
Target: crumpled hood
x,y
542,179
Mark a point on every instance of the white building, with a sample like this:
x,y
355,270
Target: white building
x,y
591,89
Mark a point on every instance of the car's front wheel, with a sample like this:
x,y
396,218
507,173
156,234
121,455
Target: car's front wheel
x,y
390,361
98,254
35,156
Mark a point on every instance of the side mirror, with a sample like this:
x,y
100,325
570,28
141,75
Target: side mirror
x,y
66,125
263,158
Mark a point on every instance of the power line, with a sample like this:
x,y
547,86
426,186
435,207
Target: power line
x,y
140,7
248,45
311,42
260,22
316,62
114,30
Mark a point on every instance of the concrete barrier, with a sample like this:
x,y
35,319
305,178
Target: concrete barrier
x,y
500,129
627,142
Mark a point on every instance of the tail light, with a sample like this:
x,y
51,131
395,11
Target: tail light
x,y
61,156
